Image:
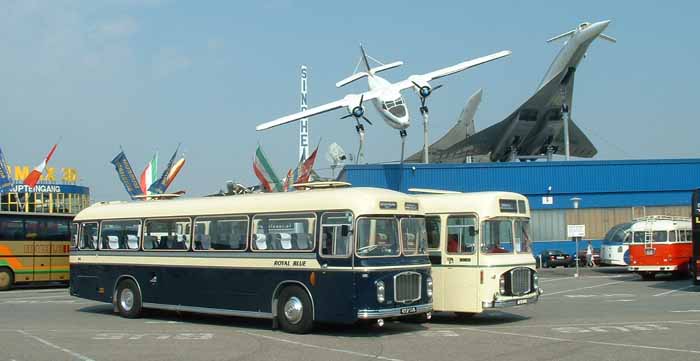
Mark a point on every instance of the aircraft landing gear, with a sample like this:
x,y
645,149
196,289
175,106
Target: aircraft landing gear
x,y
403,135
361,133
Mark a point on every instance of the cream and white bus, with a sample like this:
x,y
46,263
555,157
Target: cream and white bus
x,y
479,246
323,255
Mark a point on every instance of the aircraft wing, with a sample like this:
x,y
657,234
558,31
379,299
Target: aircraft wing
x,y
350,101
437,74
579,144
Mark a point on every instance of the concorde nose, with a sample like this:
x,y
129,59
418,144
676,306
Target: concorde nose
x,y
597,28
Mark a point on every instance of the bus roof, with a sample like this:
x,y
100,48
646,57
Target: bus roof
x,y
359,200
480,202
660,223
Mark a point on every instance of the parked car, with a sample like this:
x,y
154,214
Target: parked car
x,y
581,257
552,258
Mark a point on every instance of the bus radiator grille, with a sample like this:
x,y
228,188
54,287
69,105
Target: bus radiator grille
x,y
520,281
407,287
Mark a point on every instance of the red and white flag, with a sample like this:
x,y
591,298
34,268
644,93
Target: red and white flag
x,y
306,167
33,177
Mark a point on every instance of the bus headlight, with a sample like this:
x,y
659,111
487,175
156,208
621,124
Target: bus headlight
x,y
535,281
429,287
380,291
502,285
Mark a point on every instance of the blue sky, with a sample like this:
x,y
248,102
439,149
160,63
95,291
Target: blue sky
x,y
149,74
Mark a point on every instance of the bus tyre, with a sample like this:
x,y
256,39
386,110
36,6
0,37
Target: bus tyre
x,y
7,279
128,299
294,310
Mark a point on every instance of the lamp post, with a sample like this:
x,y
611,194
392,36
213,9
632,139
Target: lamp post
x,y
576,201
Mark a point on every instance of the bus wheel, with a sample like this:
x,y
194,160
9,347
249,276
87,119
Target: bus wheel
x,y
7,278
648,276
294,310
128,299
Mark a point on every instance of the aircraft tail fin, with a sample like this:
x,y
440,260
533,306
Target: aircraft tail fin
x,y
370,71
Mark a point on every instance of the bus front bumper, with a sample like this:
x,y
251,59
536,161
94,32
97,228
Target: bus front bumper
x,y
510,302
366,314
668,268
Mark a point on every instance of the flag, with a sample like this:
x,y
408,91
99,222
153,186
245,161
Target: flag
x,y
159,186
148,176
306,167
126,175
5,181
289,179
33,177
263,170
174,170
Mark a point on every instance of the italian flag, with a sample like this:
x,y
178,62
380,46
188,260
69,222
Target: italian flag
x,y
33,177
263,170
149,175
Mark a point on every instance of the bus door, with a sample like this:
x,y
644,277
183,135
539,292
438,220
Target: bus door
x,y
36,230
335,252
59,235
460,264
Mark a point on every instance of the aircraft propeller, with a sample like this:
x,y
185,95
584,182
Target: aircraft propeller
x,y
358,112
424,91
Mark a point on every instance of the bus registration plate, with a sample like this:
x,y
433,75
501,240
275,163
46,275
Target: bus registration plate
x,y
521,302
407,310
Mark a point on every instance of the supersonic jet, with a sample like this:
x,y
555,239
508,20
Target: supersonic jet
x,y
534,128
385,96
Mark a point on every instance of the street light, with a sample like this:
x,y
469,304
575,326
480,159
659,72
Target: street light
x,y
576,201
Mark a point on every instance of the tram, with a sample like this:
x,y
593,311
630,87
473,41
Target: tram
x,y
615,248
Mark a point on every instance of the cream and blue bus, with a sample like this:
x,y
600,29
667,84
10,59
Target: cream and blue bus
x,y
323,255
480,248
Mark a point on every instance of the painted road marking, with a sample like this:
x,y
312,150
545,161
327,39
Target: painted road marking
x,y
581,288
622,300
581,277
606,329
601,295
579,324
673,290
161,322
155,336
559,339
63,349
308,345
686,311
40,302
33,298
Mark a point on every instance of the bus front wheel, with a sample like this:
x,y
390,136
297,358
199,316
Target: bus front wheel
x,y
7,278
128,299
294,310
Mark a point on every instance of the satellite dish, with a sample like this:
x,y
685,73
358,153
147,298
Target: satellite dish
x,y
336,156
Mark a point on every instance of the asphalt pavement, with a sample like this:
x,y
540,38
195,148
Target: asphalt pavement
x,y
605,314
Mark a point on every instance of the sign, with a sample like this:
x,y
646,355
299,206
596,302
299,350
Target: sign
x,y
547,200
575,230
304,123
68,174
19,187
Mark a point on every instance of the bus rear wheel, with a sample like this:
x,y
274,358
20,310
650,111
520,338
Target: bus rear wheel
x,y
7,279
128,299
294,311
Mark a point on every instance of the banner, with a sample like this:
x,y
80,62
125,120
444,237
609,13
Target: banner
x,y
126,175
263,170
307,166
160,185
5,181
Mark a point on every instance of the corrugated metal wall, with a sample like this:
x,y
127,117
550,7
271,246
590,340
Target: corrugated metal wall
x,y
550,225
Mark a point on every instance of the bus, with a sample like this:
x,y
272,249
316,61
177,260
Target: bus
x,y
695,268
480,249
338,255
615,248
34,247
660,244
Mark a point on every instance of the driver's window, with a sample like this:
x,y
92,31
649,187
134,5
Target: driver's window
x,y
461,237
335,234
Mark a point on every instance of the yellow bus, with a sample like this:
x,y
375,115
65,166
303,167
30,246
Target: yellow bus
x,y
322,255
34,247
479,247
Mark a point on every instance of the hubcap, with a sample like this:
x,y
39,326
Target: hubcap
x,y
293,310
4,279
126,299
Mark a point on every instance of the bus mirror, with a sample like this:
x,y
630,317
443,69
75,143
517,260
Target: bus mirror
x,y
345,230
472,231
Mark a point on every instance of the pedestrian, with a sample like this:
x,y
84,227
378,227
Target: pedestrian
x,y
589,255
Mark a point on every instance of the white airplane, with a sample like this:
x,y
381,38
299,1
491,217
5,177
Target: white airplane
x,y
385,96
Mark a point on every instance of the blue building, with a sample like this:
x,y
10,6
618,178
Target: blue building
x,y
610,192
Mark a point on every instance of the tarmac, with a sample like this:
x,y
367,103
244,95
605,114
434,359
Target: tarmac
x,y
605,314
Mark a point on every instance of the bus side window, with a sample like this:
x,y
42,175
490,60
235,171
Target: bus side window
x,y
74,236
88,236
432,226
288,232
221,233
335,234
167,234
672,235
